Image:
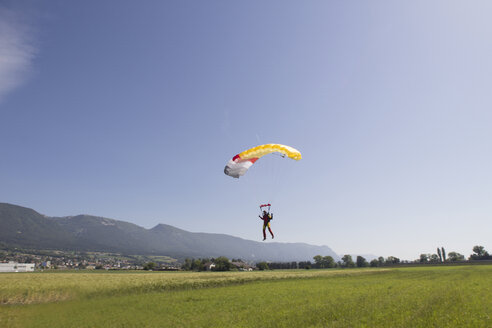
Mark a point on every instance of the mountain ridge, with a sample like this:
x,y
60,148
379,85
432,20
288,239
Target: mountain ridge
x,y
24,227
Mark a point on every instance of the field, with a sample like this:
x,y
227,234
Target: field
x,y
451,296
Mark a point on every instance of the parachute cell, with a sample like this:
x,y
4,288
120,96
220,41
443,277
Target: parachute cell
x,y
240,163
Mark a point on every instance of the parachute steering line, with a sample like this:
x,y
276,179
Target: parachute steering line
x,y
240,164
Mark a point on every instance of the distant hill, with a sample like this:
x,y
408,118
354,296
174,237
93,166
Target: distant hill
x,y
25,228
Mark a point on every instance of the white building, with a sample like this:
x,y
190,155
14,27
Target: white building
x,y
16,267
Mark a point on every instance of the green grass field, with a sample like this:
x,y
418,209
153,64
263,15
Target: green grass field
x,y
454,296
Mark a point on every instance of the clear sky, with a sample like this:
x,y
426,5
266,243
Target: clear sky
x,y
131,110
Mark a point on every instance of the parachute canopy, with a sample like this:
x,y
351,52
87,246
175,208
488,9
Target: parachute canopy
x,y
240,163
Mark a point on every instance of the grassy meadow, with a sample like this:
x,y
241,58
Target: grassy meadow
x,y
447,296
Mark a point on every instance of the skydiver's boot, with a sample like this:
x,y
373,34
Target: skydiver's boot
x,y
264,234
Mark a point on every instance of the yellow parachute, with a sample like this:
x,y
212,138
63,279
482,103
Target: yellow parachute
x,y
240,163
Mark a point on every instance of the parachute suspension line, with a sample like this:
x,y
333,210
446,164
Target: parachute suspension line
x,y
274,174
278,170
242,162
258,138
279,154
281,177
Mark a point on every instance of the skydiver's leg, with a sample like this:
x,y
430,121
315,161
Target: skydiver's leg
x,y
264,233
271,233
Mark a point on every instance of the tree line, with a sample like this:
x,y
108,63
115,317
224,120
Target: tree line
x,y
325,262
221,263
479,253
321,262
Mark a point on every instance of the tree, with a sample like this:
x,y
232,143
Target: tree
x,y
392,260
150,266
374,263
262,266
324,261
424,258
439,254
443,252
361,262
480,253
479,250
347,261
434,258
328,262
453,257
222,264
197,265
305,265
186,265
381,261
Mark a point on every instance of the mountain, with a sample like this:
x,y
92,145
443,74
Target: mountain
x,y
25,228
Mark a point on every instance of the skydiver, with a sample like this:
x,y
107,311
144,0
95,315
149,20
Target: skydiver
x,y
267,217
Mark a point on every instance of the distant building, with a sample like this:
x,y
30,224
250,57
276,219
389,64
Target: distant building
x,y
16,267
46,264
209,266
241,266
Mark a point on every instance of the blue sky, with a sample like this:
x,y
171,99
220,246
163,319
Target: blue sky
x,y
130,111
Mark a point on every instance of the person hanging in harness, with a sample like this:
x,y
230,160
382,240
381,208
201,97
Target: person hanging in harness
x,y
266,217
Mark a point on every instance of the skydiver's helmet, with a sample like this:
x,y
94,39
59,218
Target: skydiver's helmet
x,y
264,212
